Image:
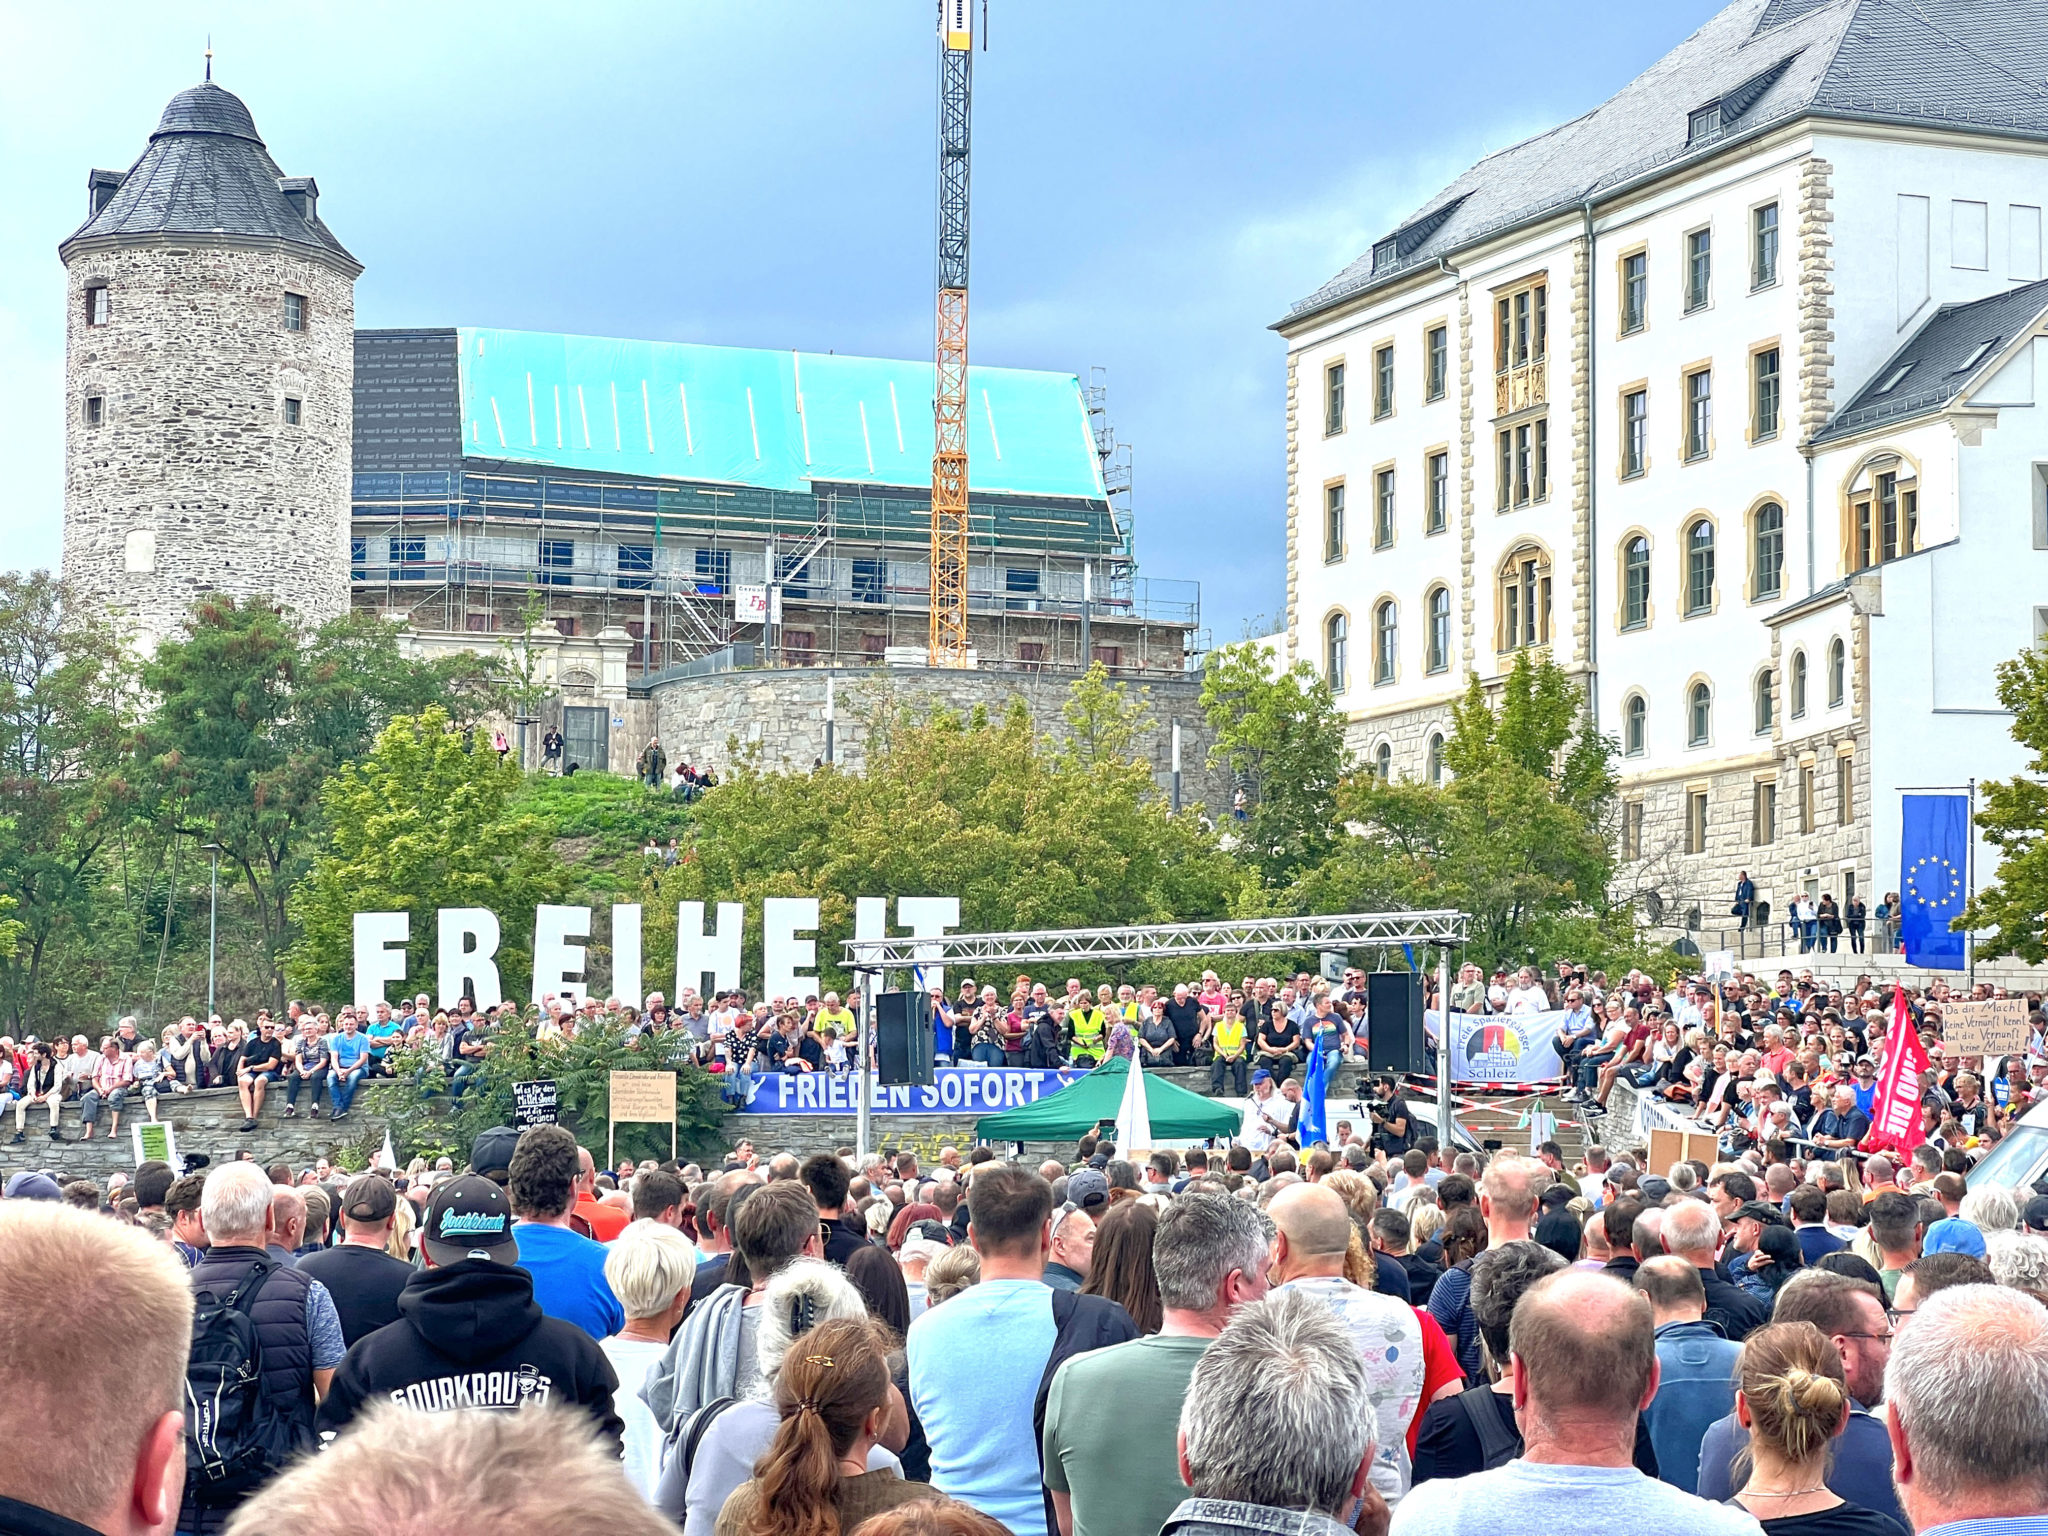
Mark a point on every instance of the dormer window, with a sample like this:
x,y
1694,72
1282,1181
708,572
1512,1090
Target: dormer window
x,y
99,308
1703,122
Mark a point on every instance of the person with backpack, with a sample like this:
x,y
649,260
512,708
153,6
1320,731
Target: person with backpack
x,y
470,1334
266,1340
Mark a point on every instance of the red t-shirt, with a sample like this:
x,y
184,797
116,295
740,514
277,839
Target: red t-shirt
x,y
1439,1368
606,1221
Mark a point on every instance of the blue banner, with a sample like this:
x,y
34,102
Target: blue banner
x,y
1934,861
955,1090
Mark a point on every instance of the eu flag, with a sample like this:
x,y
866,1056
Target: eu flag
x,y
1315,1084
1934,855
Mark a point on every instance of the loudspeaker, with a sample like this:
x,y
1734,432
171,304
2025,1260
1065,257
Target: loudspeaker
x,y
903,1039
1394,1040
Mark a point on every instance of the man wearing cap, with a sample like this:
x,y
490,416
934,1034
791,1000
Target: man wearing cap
x,y
1073,1231
469,1333
361,1276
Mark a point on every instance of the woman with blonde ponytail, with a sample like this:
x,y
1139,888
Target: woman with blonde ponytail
x,y
835,1400
1793,1400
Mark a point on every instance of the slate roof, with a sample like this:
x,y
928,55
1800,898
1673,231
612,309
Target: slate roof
x,y
1979,64
1956,345
206,171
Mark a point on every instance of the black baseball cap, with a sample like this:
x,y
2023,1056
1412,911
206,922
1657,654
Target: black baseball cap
x,y
1760,1211
369,1197
469,1218
2035,1216
491,1153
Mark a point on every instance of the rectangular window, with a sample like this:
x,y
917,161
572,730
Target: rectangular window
x,y
1523,326
1383,382
1699,413
1806,797
1111,656
557,558
1699,269
358,559
636,567
1383,509
1631,829
292,411
1763,262
793,574
1763,818
1439,492
714,572
1437,375
1635,292
870,581
1845,789
1333,399
409,556
1525,463
95,410
878,646
565,625
295,312
1333,523
1767,390
1696,821
1030,654
800,646
1635,432
98,307
1020,582
477,623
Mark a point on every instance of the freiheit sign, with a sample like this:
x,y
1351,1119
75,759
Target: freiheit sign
x,y
467,939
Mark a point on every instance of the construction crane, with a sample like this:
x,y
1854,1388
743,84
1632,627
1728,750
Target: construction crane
x,y
949,358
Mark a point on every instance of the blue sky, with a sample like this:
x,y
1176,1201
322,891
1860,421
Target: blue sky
x,y
1153,184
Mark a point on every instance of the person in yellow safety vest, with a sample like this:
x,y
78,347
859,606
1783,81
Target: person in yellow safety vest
x,y
1088,1027
1232,1051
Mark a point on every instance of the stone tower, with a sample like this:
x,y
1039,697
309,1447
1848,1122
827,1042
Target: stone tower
x,y
208,369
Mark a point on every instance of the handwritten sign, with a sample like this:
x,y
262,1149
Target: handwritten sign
x,y
646,1097
1994,1028
535,1103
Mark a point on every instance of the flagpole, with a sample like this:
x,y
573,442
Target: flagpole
x,y
1970,863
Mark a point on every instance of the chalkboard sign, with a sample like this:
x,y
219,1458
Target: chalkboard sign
x,y
534,1103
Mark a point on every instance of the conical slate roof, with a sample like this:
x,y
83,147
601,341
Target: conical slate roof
x,y
206,171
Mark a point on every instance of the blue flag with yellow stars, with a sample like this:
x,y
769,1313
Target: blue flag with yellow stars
x,y
1934,858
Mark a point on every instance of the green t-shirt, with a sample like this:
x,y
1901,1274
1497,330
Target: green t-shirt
x,y
1110,1423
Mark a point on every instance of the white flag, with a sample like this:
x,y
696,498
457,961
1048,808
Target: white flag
x,y
1133,1118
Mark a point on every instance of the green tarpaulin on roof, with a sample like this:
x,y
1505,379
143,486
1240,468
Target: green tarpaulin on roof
x,y
1177,1114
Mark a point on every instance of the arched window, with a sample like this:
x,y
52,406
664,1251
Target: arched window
x,y
1883,513
1386,635
1383,762
1838,673
1699,566
1439,603
1635,582
1766,704
1524,599
1635,719
1767,551
1336,651
1798,684
1699,724
1436,758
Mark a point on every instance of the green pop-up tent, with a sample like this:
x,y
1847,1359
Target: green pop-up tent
x,y
1176,1114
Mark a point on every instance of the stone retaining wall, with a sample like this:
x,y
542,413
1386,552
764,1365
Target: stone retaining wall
x,y
208,1120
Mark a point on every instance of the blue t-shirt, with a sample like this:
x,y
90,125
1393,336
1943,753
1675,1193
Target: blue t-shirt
x,y
975,1365
382,1037
568,1278
350,1052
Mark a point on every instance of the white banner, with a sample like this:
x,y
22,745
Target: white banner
x,y
1497,1048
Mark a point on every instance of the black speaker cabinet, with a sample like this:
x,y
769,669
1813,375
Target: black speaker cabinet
x,y
1393,1002
903,1039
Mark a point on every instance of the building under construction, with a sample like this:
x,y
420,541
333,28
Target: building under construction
x,y
725,507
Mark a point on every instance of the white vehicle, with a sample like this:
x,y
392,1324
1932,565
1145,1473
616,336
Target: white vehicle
x,y
2020,1161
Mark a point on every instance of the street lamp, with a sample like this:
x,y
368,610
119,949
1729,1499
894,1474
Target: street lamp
x,y
212,922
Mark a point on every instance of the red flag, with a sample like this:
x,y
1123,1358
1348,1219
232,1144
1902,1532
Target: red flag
x,y
1895,1109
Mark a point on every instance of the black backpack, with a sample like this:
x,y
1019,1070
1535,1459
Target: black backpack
x,y
1498,1445
233,1438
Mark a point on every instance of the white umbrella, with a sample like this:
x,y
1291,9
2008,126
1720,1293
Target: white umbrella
x,y
1133,1118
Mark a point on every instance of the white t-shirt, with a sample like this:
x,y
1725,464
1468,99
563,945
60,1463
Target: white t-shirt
x,y
631,1358
1523,1000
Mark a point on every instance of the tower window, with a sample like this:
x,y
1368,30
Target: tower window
x,y
295,312
99,308
293,410
95,410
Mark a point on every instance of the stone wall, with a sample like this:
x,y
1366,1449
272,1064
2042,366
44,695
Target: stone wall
x,y
780,714
193,481
208,1120
1406,732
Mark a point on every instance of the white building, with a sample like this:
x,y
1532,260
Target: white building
x,y
1725,394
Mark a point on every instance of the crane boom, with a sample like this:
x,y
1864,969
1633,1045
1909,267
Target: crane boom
x,y
949,383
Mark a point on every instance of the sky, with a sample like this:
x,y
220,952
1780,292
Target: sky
x,y
1153,184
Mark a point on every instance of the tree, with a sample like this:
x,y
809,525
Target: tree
x,y
423,822
1280,732
2014,820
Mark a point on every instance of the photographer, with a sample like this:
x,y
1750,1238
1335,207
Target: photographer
x,y
1393,1123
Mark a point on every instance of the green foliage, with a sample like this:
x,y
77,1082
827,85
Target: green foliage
x,y
1281,733
424,821
619,814
581,1068
2014,820
1029,833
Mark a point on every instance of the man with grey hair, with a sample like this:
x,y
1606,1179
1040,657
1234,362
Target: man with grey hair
x,y
1111,1414
1284,1372
1967,1411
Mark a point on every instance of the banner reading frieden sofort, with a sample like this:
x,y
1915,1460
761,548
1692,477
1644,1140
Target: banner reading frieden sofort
x,y
955,1090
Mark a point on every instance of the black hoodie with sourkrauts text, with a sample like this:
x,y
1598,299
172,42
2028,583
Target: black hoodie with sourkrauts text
x,y
470,1335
